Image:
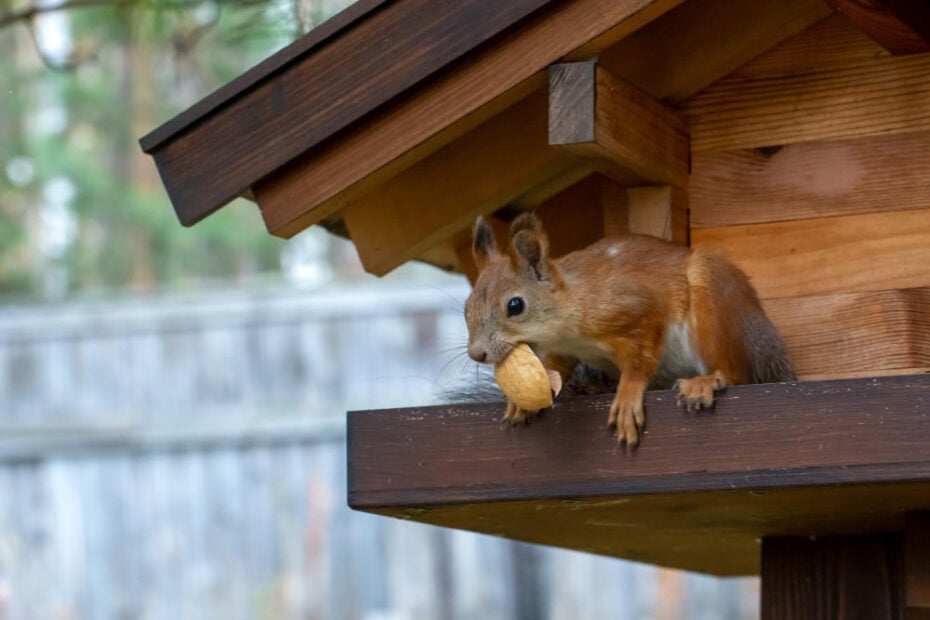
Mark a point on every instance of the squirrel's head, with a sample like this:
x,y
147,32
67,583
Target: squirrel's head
x,y
515,298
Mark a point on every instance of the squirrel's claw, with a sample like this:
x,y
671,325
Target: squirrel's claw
x,y
628,419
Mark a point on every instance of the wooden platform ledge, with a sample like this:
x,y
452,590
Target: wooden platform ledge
x,y
848,457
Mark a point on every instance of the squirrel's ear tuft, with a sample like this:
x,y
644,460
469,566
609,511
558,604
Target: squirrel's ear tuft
x,y
530,246
483,244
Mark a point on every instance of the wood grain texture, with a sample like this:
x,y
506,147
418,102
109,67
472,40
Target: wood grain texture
x,y
307,102
572,93
832,43
834,578
885,95
683,59
626,134
811,179
319,184
865,333
895,24
787,459
443,193
852,253
917,564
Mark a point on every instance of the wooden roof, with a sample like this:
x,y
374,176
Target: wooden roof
x,y
387,82
398,93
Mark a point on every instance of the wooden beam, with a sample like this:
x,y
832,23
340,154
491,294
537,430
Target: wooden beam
x,y
833,578
852,253
887,95
683,59
900,26
615,128
869,174
313,188
804,459
442,194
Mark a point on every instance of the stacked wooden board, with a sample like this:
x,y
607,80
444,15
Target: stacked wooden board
x,y
810,168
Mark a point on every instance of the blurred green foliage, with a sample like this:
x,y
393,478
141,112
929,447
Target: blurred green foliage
x,y
78,198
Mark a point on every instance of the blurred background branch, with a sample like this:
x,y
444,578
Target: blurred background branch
x,y
81,207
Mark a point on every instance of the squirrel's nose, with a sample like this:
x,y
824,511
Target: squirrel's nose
x,y
477,353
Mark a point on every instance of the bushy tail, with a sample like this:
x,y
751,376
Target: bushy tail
x,y
770,363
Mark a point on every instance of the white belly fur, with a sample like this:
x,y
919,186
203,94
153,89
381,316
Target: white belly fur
x,y
679,357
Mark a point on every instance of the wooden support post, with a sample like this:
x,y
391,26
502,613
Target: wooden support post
x,y
833,578
868,577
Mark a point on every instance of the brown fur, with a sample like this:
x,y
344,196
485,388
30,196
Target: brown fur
x,y
647,308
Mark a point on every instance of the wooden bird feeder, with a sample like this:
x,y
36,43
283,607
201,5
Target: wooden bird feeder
x,y
794,135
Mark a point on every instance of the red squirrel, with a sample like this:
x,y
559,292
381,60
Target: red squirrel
x,y
664,315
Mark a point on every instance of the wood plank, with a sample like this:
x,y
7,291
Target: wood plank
x,y
810,179
917,565
848,333
833,578
886,95
326,32
428,203
616,128
832,43
900,26
684,59
853,253
308,101
314,187
803,459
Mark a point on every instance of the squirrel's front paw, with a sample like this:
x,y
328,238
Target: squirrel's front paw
x,y
698,392
628,418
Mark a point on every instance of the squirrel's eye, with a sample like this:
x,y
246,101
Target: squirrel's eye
x,y
514,306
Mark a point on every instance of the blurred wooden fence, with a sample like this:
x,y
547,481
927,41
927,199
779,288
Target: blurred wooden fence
x,y
183,457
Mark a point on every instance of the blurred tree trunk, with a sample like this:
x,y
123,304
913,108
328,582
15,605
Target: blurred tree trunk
x,y
308,13
139,169
18,221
